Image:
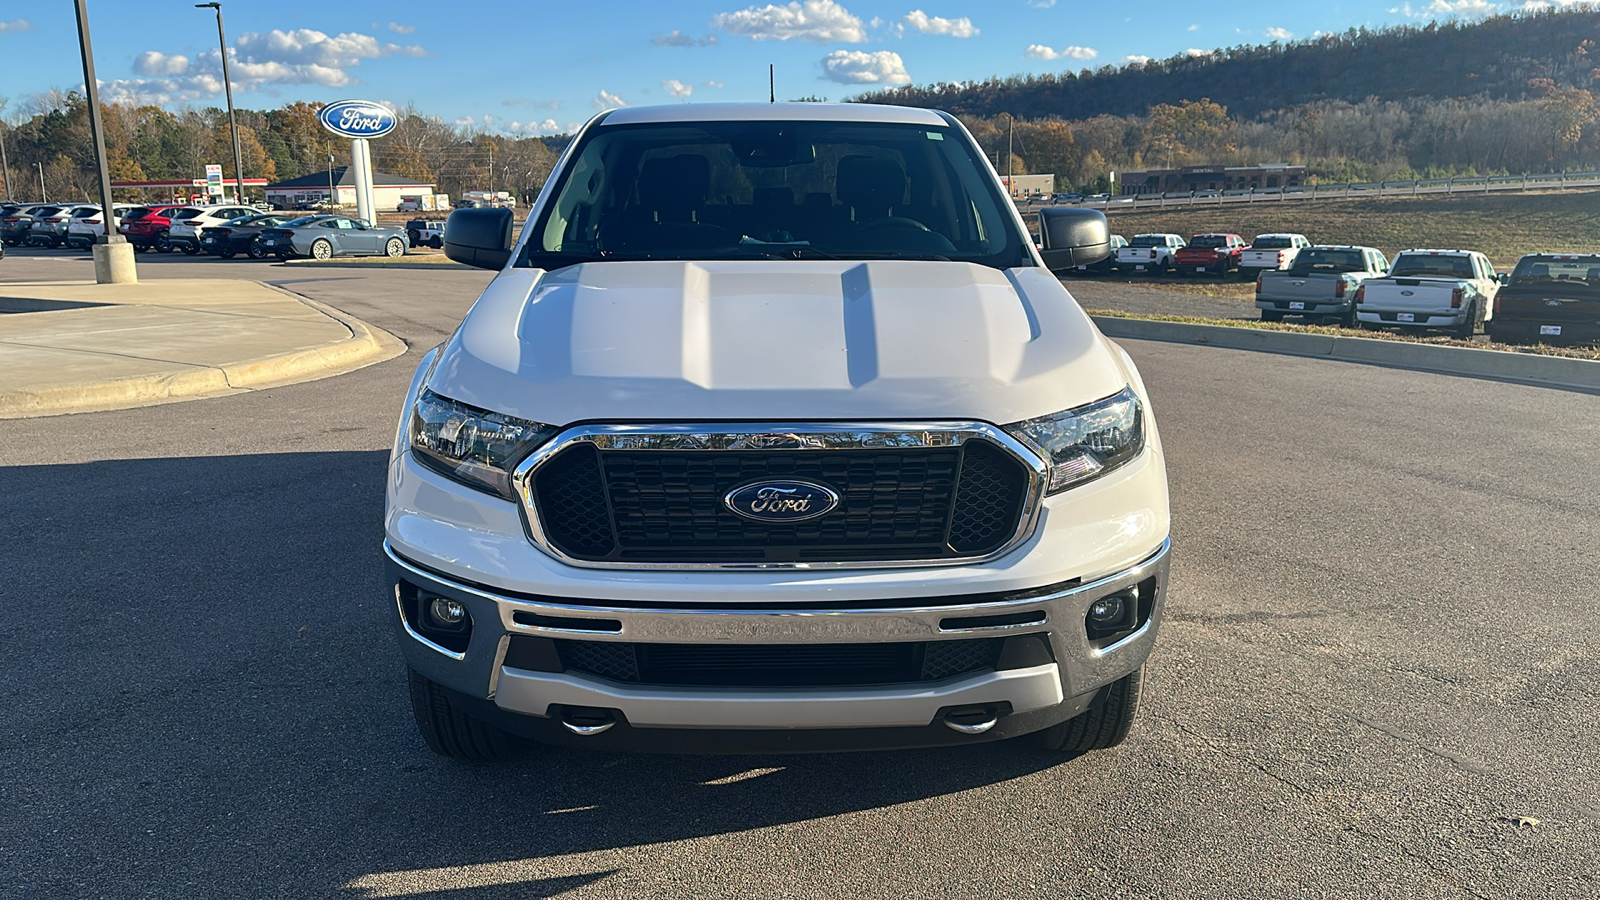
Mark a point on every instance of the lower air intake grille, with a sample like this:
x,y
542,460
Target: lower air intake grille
x,y
778,665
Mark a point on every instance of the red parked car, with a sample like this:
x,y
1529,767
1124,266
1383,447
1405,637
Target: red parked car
x,y
149,230
1210,254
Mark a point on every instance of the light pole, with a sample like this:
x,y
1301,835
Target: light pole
x,y
330,179
113,257
43,197
227,88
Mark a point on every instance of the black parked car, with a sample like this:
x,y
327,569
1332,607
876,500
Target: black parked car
x,y
239,236
1549,298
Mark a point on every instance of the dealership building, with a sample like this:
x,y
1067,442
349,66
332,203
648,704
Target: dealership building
x,y
308,189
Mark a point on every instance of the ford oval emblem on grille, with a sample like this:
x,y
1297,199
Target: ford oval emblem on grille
x,y
1407,293
782,501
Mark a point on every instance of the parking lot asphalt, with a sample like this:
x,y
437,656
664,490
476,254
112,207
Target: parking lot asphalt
x,y
1377,678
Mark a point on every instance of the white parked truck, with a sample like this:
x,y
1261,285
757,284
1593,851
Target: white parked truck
x,y
1322,282
721,463
1271,251
1149,253
1449,289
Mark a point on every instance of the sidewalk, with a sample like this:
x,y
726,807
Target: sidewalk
x,y
78,346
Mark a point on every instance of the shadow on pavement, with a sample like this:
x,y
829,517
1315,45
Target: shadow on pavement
x,y
203,689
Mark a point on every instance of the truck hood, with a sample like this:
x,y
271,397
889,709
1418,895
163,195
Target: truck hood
x,y
766,340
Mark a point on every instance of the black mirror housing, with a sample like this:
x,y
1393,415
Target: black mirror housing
x,y
479,237
1073,237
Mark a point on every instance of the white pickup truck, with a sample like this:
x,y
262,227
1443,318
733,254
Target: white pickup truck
x,y
1322,282
1449,289
1149,253
1271,251
710,465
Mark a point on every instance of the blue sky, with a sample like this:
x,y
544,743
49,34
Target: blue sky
x,y
542,67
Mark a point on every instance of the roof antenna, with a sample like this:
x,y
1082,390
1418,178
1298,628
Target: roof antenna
x,y
772,86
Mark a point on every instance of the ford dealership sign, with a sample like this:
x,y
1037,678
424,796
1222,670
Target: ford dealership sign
x,y
357,119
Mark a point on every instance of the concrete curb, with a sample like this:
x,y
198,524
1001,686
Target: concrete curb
x,y
365,346
1549,371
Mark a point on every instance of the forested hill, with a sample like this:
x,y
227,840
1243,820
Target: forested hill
x,y
1497,58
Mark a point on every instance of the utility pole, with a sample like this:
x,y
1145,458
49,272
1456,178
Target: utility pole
x,y
43,197
5,164
331,198
491,169
227,88
1011,183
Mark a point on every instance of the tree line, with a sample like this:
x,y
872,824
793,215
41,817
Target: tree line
x,y
48,140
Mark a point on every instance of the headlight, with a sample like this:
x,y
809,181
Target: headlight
x,y
471,445
1087,442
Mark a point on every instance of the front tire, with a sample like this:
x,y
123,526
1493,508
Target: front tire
x,y
256,252
189,249
436,242
394,248
1106,724
163,244
321,249
448,731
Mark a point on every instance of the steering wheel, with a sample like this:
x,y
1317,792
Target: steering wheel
x,y
899,223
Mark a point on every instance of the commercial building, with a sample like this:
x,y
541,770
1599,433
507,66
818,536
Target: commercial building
x,y
1022,186
187,190
1213,178
314,188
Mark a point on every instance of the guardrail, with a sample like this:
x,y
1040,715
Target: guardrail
x,y
1355,190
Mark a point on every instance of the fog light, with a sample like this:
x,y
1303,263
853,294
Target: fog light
x,y
1105,611
447,613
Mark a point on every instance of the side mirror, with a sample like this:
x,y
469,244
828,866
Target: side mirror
x,y
479,237
1503,278
1073,237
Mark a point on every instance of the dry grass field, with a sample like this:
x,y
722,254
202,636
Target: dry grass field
x,y
1504,226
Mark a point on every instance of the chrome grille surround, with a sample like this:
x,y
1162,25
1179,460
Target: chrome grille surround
x,y
780,436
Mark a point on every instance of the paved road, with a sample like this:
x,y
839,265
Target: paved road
x,y
1381,652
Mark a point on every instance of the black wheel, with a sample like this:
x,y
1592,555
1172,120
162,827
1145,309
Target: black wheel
x,y
227,252
450,732
394,247
1348,320
1271,315
256,252
1104,725
321,249
189,249
1467,329
163,244
436,242
415,236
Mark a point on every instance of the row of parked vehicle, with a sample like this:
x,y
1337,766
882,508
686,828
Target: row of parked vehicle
x,y
1550,298
225,230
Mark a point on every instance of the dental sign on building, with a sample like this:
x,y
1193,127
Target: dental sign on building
x,y
359,120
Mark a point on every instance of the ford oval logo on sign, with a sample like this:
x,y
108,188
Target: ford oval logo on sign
x,y
782,501
357,119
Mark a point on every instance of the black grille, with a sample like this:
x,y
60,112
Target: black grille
x,y
776,665
667,506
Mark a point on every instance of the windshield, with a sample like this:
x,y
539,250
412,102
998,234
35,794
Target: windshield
x,y
178,215
776,190
303,220
1272,243
1429,266
1329,261
1148,240
1582,271
1208,242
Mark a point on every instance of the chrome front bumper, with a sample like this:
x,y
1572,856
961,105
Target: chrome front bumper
x,y
1081,667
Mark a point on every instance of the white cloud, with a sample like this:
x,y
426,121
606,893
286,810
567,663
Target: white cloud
x,y
1135,60
1196,51
677,88
537,104
160,65
921,21
1040,51
607,100
677,38
1470,8
15,25
1280,34
819,21
857,67
301,56
1041,4
549,125
1194,27
463,121
714,85
397,28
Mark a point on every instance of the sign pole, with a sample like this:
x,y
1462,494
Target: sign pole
x,y
361,161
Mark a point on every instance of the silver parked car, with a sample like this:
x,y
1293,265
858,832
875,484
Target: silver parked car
x,y
327,236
